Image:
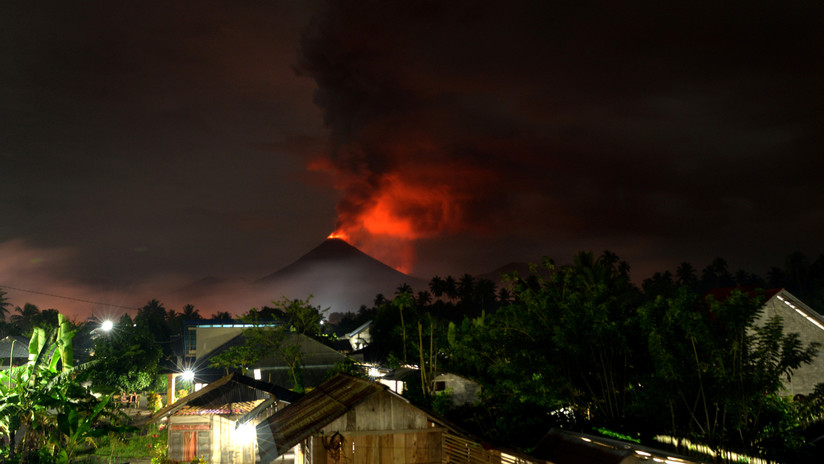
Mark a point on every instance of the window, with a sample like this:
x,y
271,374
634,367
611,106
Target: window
x,y
190,341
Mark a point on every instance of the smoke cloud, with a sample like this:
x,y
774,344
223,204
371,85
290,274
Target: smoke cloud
x,y
582,121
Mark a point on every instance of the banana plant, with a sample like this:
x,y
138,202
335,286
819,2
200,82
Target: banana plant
x,y
77,428
46,398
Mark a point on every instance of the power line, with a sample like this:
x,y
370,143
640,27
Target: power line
x,y
68,297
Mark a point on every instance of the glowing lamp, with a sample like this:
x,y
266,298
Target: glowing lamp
x,y
245,433
188,375
107,325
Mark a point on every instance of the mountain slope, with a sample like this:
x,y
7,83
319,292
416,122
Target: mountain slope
x,y
337,275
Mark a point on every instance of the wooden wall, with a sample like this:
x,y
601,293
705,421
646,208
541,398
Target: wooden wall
x,y
383,411
382,429
201,427
216,440
421,447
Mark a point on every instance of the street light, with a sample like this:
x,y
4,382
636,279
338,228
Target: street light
x,y
187,375
107,325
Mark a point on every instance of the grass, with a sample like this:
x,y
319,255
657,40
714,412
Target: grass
x,y
134,446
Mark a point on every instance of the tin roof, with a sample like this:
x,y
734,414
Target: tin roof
x,y
318,408
16,346
566,447
227,409
233,388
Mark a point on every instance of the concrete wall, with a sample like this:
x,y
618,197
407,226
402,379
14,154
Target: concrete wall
x,y
462,390
796,317
209,338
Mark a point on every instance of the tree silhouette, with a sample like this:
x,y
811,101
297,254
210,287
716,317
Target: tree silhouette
x,y
438,286
25,318
403,300
716,275
687,276
423,298
466,288
160,324
222,316
450,288
190,313
4,305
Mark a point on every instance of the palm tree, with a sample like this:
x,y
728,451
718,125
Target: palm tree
x,y
423,298
438,286
451,288
403,299
466,289
222,316
189,312
686,275
4,305
25,317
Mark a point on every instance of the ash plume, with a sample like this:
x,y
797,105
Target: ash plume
x,y
581,121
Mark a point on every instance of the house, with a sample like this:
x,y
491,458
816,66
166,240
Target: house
x,y
361,337
352,420
809,324
565,447
202,336
203,340
14,351
397,378
797,317
317,360
217,422
461,389
347,419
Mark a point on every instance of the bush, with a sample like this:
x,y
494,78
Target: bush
x,y
134,446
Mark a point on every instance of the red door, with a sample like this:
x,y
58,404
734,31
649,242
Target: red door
x,y
189,445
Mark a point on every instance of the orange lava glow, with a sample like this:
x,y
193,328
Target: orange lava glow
x,y
397,214
384,212
339,235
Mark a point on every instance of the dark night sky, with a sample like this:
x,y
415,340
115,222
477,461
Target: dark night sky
x,y
144,145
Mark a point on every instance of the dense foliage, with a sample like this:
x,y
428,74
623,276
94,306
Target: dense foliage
x,y
580,346
276,330
127,357
46,400
577,346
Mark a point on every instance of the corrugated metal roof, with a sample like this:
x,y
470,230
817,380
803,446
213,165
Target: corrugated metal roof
x,y
318,408
566,447
241,407
220,392
17,346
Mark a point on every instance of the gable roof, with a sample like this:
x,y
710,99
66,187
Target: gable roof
x,y
566,447
360,329
318,408
231,389
232,408
14,345
321,406
780,294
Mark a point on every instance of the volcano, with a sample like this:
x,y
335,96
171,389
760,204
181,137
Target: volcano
x,y
338,276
